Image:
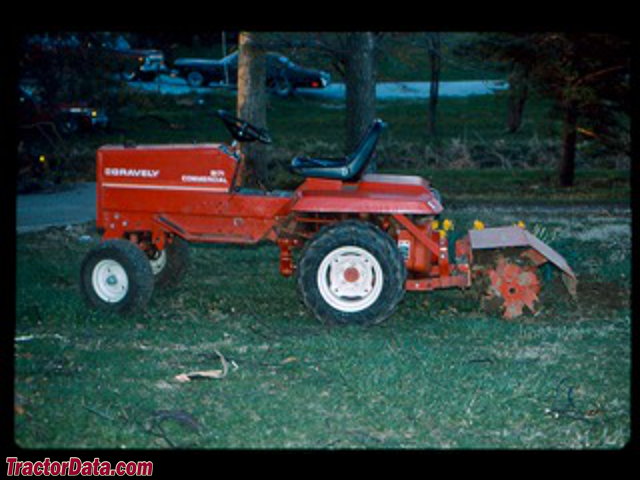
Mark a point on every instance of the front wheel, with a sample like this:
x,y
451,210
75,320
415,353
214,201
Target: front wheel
x,y
352,272
116,276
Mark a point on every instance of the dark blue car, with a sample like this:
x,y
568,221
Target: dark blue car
x,y
283,76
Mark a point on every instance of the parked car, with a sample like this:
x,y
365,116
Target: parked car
x,y
140,64
69,118
131,63
283,76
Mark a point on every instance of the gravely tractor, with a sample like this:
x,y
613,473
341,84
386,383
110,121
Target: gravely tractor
x,y
356,241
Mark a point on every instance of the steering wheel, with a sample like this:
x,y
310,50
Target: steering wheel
x,y
242,130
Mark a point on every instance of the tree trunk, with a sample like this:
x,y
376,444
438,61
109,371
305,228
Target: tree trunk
x,y
360,83
518,92
566,169
434,86
252,104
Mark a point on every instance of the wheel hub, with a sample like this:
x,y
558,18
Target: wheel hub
x,y
351,274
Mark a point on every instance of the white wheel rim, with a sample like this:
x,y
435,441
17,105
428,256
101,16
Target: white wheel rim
x,y
350,279
158,264
110,281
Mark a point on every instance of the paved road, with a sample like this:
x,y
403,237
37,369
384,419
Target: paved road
x,y
384,90
37,211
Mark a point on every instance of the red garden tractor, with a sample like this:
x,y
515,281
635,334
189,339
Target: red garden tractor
x,y
356,241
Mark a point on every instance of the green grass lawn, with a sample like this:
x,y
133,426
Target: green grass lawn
x,y
438,374
478,186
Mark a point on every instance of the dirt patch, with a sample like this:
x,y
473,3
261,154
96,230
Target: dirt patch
x,y
604,295
592,294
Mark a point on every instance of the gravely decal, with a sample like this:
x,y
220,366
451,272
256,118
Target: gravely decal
x,y
131,172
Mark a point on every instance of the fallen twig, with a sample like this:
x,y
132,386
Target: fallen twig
x,y
98,412
187,377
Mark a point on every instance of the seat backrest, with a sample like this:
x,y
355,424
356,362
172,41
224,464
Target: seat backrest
x,y
359,159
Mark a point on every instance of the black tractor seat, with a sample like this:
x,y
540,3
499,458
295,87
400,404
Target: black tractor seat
x,y
349,168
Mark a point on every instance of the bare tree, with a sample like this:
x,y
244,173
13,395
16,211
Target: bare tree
x,y
431,44
518,93
585,75
360,83
567,164
353,56
252,103
434,46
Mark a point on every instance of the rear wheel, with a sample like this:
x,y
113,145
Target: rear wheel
x,y
170,265
195,79
281,86
116,276
351,272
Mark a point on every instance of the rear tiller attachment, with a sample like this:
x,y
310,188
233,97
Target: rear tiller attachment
x,y
509,258
502,263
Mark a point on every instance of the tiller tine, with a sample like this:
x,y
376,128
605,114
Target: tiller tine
x,y
514,280
516,285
